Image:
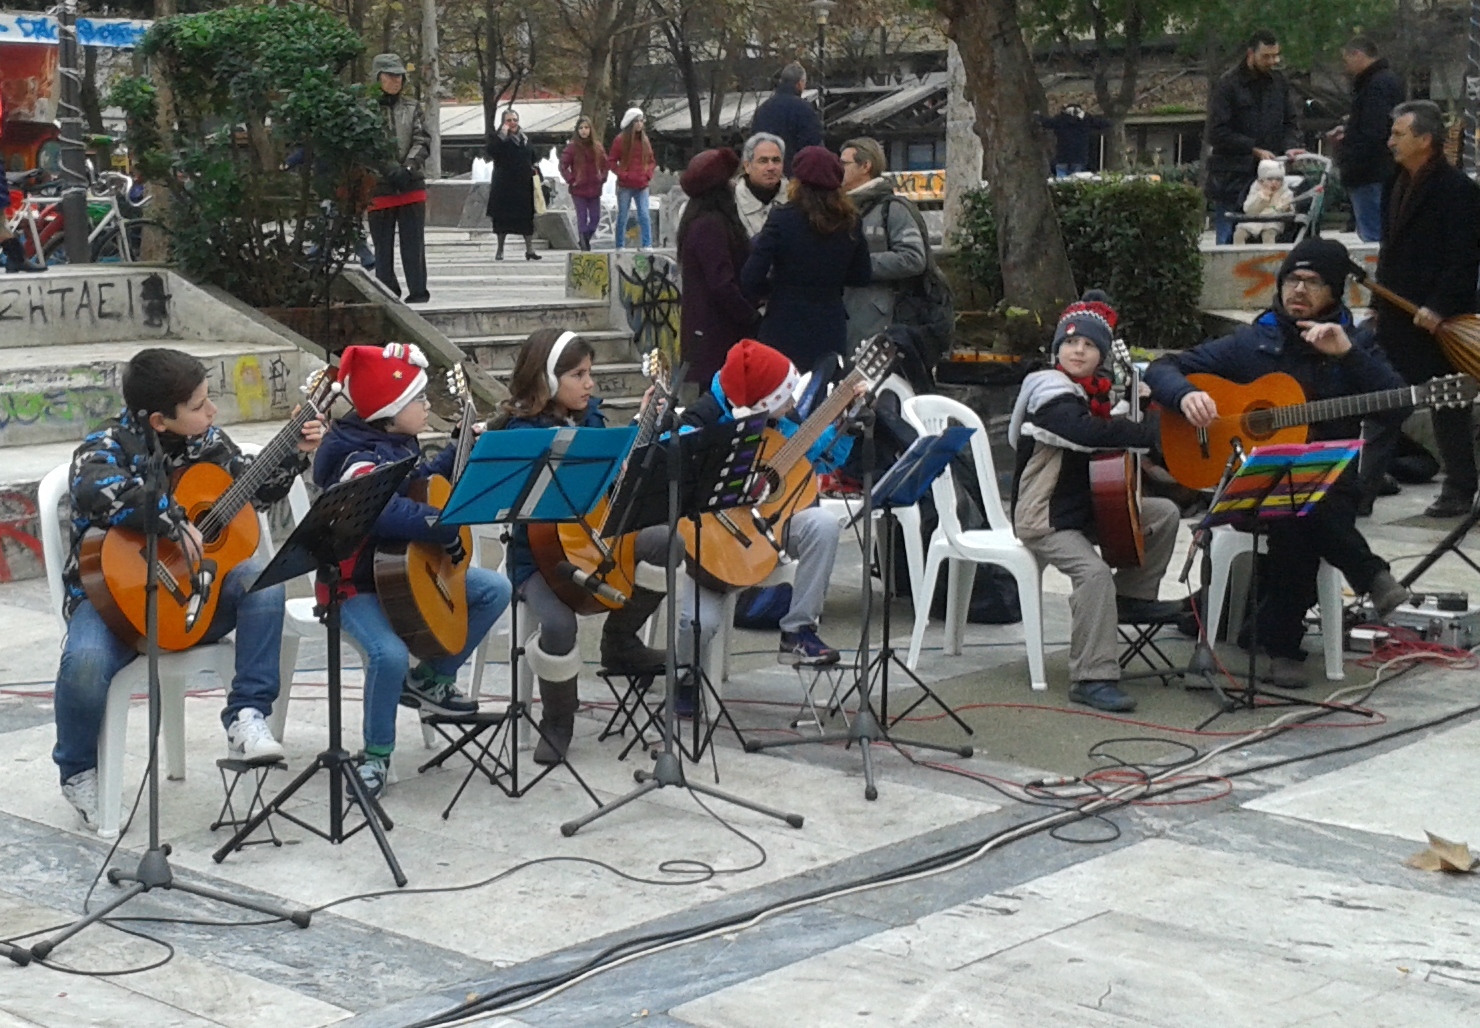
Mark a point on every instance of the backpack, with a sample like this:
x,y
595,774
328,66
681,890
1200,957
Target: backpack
x,y
925,304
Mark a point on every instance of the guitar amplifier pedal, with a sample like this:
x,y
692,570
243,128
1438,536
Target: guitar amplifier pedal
x,y
1435,623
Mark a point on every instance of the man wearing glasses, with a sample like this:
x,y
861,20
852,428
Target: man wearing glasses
x,y
1308,334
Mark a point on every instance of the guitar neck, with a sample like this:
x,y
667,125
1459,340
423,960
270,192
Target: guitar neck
x,y
811,430
1346,406
647,426
243,489
464,439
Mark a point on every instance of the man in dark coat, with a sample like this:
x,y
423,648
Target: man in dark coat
x,y
1363,157
787,115
1309,335
1072,129
400,200
1430,255
1251,118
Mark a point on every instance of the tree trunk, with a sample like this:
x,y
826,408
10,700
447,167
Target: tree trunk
x,y
1000,81
963,148
92,103
154,244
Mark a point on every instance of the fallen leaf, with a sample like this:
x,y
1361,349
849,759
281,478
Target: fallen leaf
x,y
1443,855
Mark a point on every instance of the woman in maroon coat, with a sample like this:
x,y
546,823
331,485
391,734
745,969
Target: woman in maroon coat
x,y
712,247
583,166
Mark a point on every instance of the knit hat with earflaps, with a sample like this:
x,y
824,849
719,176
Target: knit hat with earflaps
x,y
380,382
1091,317
756,378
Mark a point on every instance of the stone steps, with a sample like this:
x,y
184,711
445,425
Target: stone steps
x,y
520,318
59,393
497,353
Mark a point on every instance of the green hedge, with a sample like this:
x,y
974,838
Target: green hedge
x,y
1134,238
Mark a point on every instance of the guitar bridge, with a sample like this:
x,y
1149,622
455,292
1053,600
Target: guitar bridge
x,y
1202,442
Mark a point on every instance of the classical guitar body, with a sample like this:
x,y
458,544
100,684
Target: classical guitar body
x,y
423,593
1114,483
735,553
552,543
1197,460
114,570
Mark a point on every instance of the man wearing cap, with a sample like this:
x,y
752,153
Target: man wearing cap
x,y
1309,335
1061,418
787,115
757,379
400,201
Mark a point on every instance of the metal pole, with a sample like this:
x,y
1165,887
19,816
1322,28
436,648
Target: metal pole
x,y
822,79
73,161
1472,89
431,77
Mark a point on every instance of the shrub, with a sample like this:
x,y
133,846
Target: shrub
x,y
1134,238
267,169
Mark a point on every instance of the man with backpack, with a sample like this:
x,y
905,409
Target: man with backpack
x,y
907,290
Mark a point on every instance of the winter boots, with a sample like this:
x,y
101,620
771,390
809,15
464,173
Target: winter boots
x,y
15,256
558,699
621,649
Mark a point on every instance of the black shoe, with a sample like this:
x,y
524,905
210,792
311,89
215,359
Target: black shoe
x,y
1131,610
1388,486
1364,507
806,647
555,739
530,255
1448,505
419,298
15,257
1103,695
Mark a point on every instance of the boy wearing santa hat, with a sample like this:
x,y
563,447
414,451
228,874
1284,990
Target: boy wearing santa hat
x,y
387,387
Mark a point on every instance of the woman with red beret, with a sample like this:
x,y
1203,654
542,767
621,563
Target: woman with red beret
x,y
712,248
808,251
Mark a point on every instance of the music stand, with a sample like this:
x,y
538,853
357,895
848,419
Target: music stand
x,y
335,527
903,485
521,477
722,483
1274,483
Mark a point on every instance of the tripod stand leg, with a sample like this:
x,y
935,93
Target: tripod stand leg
x,y
374,816
646,786
43,949
19,954
865,751
795,820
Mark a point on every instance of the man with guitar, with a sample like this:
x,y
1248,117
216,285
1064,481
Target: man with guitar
x,y
166,399
1063,417
1309,335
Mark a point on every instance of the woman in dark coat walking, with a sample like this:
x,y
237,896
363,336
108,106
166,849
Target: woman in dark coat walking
x,y
804,256
511,195
712,248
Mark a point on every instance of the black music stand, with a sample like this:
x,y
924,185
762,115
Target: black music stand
x,y
335,527
903,485
522,477
706,471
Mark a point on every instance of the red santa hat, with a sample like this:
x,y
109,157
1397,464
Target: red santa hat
x,y
380,382
757,378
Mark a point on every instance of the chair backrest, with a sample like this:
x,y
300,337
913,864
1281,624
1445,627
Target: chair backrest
x,y
930,415
53,515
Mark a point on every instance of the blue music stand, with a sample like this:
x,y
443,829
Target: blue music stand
x,y
537,474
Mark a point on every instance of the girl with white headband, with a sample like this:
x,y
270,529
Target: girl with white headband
x,y
551,386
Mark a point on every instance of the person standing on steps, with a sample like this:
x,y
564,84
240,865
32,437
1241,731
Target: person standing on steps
x,y
511,194
633,161
1362,153
400,200
583,166
787,115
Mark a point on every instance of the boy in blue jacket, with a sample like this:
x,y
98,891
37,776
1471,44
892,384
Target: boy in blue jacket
x,y
388,390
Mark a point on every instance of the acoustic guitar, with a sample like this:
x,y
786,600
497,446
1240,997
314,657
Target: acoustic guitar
x,y
112,564
423,593
1115,483
1273,409
582,543
742,547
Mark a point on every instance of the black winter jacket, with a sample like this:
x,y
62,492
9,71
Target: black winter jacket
x,y
1072,134
107,484
1430,254
796,121
1363,156
1246,110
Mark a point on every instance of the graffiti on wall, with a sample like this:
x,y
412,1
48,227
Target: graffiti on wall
x,y
116,33
33,405
587,276
136,303
20,544
919,186
648,292
261,386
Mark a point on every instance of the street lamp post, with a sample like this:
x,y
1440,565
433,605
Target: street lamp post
x,y
821,9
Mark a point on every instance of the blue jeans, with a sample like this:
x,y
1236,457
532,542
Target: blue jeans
x,y
644,216
387,660
92,655
1367,206
1222,227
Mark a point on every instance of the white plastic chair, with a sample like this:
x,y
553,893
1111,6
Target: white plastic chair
x,y
1231,552
176,670
717,661
995,544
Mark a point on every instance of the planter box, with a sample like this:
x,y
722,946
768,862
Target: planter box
x,y
335,327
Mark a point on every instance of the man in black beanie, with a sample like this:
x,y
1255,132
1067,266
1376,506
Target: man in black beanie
x,y
1308,334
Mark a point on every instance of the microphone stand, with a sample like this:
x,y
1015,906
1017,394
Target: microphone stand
x,y
153,871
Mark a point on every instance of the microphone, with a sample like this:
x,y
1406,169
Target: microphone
x,y
204,579
590,583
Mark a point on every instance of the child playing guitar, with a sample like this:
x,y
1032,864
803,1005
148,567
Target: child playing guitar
x,y
1063,416
165,397
388,390
551,386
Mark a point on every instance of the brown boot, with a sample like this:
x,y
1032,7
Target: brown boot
x,y
621,649
558,699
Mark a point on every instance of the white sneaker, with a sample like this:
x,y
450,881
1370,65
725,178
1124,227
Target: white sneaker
x,y
646,249
81,790
251,740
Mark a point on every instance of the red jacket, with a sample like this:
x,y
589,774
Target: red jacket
x,y
642,166
584,175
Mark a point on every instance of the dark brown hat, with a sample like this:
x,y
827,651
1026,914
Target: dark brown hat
x,y
818,167
708,170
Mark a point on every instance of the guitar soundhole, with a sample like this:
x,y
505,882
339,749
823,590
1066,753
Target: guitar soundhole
x,y
768,484
1259,422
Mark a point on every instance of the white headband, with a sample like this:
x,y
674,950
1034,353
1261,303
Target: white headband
x,y
552,379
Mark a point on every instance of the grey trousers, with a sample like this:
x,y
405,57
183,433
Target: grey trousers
x,y
556,621
1094,644
812,539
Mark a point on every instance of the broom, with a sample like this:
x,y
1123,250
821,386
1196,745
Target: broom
x,y
1459,336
